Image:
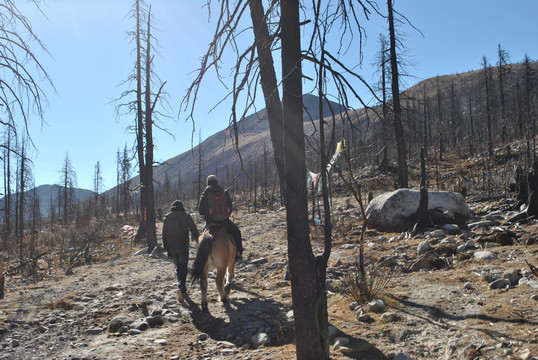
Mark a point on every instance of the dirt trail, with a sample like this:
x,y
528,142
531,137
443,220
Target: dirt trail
x,y
449,313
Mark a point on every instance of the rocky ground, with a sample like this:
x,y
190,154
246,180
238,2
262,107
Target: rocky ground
x,y
469,295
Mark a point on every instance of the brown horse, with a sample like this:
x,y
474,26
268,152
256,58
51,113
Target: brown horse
x,y
215,247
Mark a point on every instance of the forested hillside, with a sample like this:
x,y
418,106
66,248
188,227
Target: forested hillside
x,y
447,115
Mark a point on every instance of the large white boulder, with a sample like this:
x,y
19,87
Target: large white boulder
x,y
392,211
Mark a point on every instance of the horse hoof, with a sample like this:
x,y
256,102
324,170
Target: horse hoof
x,y
228,289
225,300
205,308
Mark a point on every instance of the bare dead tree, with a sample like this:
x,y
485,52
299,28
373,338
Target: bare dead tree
x,y
488,110
22,192
97,187
200,166
68,181
20,92
504,70
440,132
280,26
529,82
144,106
6,151
382,61
396,108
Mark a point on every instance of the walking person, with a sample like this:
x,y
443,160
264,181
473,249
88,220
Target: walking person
x,y
176,226
216,207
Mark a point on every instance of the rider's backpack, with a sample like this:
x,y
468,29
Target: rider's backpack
x,y
218,209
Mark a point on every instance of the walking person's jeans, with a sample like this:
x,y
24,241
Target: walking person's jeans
x,y
181,260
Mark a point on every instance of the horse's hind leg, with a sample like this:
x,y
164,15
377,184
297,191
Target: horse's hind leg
x,y
231,273
221,272
203,288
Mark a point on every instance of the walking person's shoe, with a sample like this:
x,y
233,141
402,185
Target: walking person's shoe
x,y
181,293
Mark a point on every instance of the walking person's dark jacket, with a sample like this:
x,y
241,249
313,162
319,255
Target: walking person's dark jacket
x,y
176,226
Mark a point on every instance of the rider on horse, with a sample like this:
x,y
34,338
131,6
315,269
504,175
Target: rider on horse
x,y
216,207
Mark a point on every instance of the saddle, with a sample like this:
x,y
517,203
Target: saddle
x,y
218,229
213,226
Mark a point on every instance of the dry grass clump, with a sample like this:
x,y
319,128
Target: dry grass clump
x,y
363,288
64,303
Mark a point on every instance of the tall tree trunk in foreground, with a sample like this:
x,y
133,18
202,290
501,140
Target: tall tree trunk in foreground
x,y
398,127
287,119
151,230
141,233
310,344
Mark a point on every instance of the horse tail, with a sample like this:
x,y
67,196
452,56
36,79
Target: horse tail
x,y
202,255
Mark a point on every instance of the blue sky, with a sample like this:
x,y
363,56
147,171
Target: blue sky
x,y
91,56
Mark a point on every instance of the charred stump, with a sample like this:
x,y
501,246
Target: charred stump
x,y
532,202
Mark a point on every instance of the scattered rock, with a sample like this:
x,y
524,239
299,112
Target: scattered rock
x,y
115,287
428,262
513,276
259,261
500,284
484,255
482,224
141,252
141,325
391,211
340,342
154,321
403,356
424,247
93,331
388,261
260,339
365,318
119,321
437,234
451,229
389,317
376,306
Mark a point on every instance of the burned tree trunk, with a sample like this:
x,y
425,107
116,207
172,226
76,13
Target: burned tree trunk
x,y
422,215
532,202
532,208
